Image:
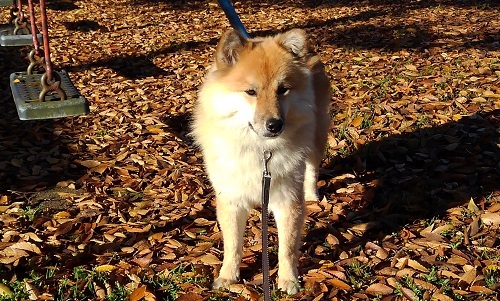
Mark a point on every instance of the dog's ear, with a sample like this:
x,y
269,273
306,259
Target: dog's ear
x,y
230,45
295,41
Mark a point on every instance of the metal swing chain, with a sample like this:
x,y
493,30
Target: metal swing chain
x,y
51,81
20,14
34,30
36,51
45,33
19,22
14,11
266,184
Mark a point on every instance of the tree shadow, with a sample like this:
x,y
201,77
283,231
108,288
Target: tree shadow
x,y
408,36
406,178
134,66
33,154
393,37
240,6
410,4
84,26
62,5
414,176
335,31
129,66
179,124
173,4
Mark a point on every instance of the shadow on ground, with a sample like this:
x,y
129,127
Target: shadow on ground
x,y
137,66
84,26
343,31
33,154
415,176
62,5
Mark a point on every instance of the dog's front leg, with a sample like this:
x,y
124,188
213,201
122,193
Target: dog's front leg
x,y
232,220
311,177
289,220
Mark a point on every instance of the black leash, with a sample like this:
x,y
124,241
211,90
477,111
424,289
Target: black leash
x,y
266,184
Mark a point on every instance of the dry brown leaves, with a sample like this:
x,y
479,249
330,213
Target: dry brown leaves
x,y
411,200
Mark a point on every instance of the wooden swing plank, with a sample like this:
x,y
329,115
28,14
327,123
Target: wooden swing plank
x,y
8,38
26,89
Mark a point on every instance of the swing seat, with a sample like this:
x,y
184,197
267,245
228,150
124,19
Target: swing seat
x,y
26,90
6,2
8,38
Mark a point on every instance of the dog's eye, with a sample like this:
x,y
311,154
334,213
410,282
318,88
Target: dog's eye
x,y
282,90
251,92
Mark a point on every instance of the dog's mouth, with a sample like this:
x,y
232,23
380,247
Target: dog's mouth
x,y
265,134
250,125
271,135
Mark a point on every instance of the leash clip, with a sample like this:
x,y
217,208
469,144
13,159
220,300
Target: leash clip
x,y
267,157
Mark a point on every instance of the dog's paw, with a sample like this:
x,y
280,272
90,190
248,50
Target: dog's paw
x,y
223,283
291,287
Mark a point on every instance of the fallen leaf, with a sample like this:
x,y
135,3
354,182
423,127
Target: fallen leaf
x,y
409,294
481,289
467,277
379,289
441,297
105,268
210,259
62,215
411,67
5,290
26,246
471,206
90,163
357,121
340,284
417,266
490,219
138,293
64,228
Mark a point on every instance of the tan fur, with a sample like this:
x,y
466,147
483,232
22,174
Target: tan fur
x,y
233,126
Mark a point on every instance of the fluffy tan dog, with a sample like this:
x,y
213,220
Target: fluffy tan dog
x,y
263,94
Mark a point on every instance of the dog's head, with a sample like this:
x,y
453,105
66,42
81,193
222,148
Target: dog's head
x,y
266,81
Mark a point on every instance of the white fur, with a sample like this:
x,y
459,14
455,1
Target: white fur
x,y
233,155
233,152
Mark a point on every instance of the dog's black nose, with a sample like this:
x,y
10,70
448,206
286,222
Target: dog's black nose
x,y
274,125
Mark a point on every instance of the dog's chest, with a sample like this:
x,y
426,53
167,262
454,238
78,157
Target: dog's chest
x,y
236,172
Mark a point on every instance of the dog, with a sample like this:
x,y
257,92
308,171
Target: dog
x,y
263,94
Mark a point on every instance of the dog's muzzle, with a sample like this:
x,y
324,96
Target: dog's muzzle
x,y
274,127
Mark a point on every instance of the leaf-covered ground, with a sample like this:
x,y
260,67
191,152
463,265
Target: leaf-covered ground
x,y
115,205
